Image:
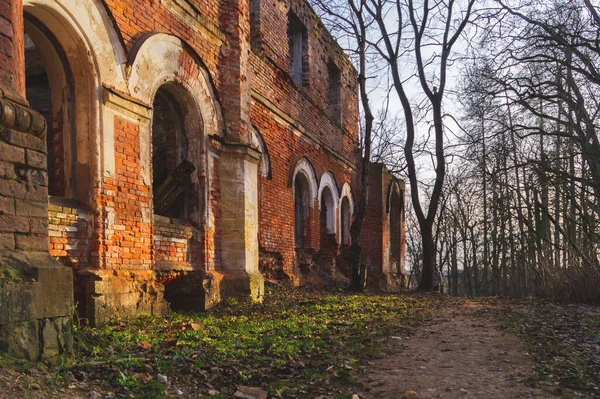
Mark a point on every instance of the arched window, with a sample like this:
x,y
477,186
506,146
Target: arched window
x,y
171,172
302,199
327,212
50,91
346,220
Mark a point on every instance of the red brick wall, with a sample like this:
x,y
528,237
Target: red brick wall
x,y
276,201
69,231
276,84
172,243
375,234
372,235
125,231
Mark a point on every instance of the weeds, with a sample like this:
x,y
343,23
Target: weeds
x,y
295,344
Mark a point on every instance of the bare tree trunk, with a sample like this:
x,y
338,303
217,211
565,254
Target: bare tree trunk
x,y
486,262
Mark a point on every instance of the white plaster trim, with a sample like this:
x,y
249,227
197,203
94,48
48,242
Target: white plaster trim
x,y
88,19
158,61
92,46
327,180
346,192
257,142
304,167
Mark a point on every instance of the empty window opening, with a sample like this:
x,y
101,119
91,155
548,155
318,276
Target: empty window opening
x,y
255,23
327,219
171,172
395,224
335,91
346,221
49,90
298,45
301,209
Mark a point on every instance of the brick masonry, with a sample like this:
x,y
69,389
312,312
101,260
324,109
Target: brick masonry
x,y
225,63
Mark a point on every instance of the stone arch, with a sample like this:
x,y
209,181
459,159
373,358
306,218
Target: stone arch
x,y
161,58
82,34
304,167
346,211
329,196
258,142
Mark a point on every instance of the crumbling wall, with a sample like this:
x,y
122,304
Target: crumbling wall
x,y
36,291
384,271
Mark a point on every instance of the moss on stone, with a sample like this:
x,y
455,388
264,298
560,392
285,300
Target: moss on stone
x,y
10,274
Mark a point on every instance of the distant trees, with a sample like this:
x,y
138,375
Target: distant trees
x,y
518,211
531,103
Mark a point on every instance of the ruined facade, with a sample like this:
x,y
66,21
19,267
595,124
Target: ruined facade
x,y
172,153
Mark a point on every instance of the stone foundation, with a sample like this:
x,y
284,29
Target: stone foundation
x,y
36,294
119,293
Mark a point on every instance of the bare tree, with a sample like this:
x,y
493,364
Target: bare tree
x,y
423,33
348,19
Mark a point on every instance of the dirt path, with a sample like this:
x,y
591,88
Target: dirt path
x,y
456,355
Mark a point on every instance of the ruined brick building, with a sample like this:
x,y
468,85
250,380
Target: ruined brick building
x,y
172,153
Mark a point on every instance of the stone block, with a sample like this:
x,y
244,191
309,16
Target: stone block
x,y
23,140
38,225
32,242
7,206
36,159
7,241
11,153
32,208
35,286
12,223
13,189
119,293
7,170
241,284
21,340
57,337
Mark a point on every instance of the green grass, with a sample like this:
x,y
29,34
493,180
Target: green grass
x,y
294,344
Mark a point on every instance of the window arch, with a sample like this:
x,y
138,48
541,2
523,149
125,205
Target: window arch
x,y
304,188
302,200
327,207
328,204
258,142
56,87
346,212
177,134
